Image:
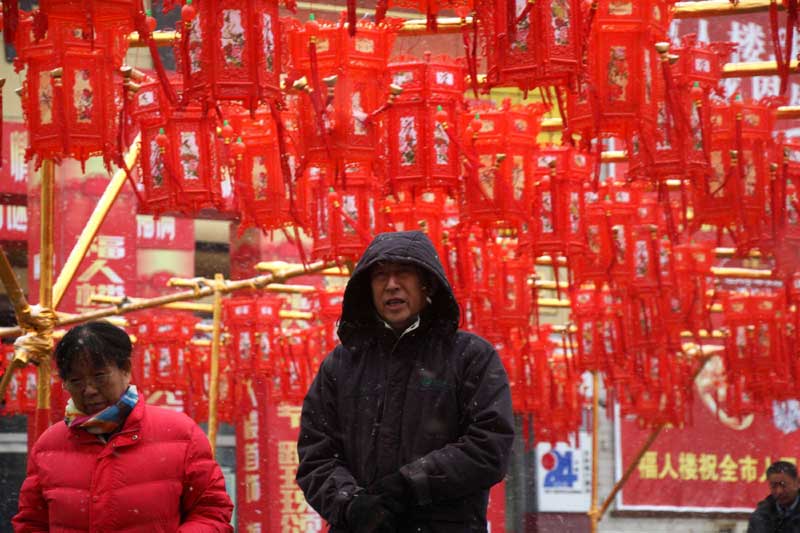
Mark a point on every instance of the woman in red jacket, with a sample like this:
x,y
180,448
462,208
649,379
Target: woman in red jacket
x,y
118,464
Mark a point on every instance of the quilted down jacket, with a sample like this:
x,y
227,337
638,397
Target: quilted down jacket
x,y
155,475
433,404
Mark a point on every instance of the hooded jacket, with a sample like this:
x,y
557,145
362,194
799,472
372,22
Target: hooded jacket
x,y
155,475
766,519
433,403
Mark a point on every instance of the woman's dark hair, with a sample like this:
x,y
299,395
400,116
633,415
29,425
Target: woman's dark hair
x,y
100,342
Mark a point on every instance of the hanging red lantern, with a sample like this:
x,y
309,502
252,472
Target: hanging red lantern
x,y
162,339
265,198
231,52
560,175
531,44
421,121
343,81
498,184
198,363
180,169
92,15
342,218
735,194
426,211
620,93
782,237
70,95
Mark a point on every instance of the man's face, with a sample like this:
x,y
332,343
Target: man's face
x,y
783,488
397,293
93,389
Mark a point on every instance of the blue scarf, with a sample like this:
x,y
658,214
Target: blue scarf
x,y
106,421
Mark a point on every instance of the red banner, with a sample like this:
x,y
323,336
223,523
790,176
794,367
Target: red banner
x,y
164,232
13,222
109,267
716,464
14,172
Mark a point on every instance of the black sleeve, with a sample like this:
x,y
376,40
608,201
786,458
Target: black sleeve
x,y
322,475
479,458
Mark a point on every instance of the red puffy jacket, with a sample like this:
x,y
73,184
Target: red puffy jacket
x,y
156,474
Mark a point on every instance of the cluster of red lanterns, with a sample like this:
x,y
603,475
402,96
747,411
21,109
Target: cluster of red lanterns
x,y
358,142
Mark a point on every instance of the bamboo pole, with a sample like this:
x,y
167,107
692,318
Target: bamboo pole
x,y
92,226
213,387
42,417
713,8
594,515
753,68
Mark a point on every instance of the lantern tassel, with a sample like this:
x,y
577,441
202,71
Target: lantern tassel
x,y
783,66
140,22
185,61
10,20
286,171
120,162
469,53
380,10
314,94
351,17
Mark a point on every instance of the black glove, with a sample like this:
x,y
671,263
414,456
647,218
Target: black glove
x,y
395,492
367,513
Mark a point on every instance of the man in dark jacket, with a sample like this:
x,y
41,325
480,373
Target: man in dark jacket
x,y
408,422
780,511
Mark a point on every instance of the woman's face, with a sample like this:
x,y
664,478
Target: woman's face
x,y
94,388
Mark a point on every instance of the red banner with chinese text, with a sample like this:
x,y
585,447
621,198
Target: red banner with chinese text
x,y
716,464
109,267
14,172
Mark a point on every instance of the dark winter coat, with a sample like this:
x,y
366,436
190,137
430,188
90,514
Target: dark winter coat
x,y
434,404
766,519
155,475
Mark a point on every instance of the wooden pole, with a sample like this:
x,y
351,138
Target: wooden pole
x,y
42,416
594,515
213,386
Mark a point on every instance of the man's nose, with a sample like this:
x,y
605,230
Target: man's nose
x,y
90,388
391,282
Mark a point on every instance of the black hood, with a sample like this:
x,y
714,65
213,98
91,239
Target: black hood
x,y
412,247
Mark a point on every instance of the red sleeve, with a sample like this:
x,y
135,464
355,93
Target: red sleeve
x,y
33,513
205,506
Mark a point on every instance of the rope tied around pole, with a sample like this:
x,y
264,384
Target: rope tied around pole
x,y
36,345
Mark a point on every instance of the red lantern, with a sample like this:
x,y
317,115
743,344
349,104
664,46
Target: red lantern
x,y
624,81
422,120
70,94
338,121
162,339
531,44
198,382
560,175
265,198
342,218
425,211
232,51
179,164
734,195
498,188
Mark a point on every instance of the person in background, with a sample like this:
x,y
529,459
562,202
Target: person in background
x,y
780,511
116,463
408,422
